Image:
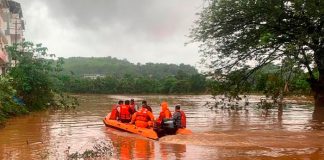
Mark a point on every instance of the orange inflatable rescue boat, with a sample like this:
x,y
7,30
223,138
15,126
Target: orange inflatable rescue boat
x,y
146,132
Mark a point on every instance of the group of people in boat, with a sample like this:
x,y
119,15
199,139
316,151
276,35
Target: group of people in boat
x,y
127,112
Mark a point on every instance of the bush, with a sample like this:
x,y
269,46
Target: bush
x,y
36,76
8,106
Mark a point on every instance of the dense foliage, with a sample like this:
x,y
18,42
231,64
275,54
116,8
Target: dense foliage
x,y
272,80
245,35
179,83
116,67
122,77
31,82
33,74
8,106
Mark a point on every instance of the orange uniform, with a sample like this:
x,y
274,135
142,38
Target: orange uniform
x,y
114,113
165,112
143,118
125,113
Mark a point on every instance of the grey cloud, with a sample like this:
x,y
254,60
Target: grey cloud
x,y
121,28
157,17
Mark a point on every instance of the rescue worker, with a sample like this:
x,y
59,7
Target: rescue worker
x,y
179,117
114,115
164,114
125,112
144,104
133,106
143,118
164,124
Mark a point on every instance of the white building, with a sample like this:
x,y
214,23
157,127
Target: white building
x,y
12,27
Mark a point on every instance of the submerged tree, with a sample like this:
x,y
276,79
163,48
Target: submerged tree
x,y
250,34
35,76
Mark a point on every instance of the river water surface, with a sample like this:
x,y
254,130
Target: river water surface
x,y
291,132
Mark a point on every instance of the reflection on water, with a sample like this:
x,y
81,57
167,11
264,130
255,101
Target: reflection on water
x,y
172,150
291,132
129,147
318,118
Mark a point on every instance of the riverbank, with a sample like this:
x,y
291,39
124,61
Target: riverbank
x,y
15,107
14,110
10,111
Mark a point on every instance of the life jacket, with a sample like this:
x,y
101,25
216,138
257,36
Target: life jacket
x,y
124,112
183,119
164,114
141,124
114,113
142,115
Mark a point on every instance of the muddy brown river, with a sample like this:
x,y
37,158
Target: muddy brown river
x,y
247,133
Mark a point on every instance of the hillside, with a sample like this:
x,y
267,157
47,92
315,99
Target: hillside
x,y
116,67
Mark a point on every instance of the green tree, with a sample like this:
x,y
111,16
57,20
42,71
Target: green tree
x,y
8,107
168,84
253,33
197,83
115,67
34,74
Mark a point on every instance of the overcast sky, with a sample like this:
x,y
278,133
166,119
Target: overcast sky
x,y
138,30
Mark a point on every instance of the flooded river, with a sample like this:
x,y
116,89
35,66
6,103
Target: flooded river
x,y
291,132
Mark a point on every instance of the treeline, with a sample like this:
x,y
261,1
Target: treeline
x,y
271,80
122,77
181,83
80,66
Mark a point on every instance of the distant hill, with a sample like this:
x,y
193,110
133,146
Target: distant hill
x,y
116,67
